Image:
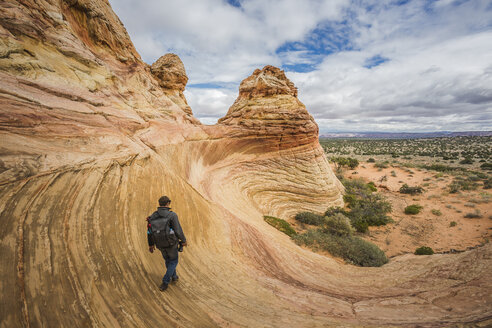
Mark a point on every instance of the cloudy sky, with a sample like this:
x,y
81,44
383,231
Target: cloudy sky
x,y
359,65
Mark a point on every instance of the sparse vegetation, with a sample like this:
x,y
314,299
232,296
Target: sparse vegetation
x,y
340,162
382,165
474,215
366,207
436,212
413,209
281,225
424,250
309,218
406,189
452,224
351,248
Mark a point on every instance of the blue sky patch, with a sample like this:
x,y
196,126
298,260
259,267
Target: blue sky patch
x,y
326,39
375,61
234,3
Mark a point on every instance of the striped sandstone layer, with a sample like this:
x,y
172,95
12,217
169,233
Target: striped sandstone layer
x,y
91,137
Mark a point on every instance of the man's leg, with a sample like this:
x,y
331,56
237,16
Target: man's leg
x,y
170,256
171,270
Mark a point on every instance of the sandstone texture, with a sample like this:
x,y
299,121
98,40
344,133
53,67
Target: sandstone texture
x,y
171,74
91,137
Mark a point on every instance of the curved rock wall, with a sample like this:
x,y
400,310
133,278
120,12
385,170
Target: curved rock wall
x,y
89,140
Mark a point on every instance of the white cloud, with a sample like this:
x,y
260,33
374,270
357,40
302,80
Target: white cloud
x,y
438,73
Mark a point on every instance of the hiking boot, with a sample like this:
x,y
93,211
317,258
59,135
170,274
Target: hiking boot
x,y
163,287
174,279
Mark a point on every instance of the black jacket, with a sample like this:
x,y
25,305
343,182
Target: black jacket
x,y
174,224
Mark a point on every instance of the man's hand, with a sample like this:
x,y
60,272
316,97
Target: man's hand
x,y
184,244
151,249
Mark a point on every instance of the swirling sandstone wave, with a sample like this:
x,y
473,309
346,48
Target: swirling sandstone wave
x,y
90,138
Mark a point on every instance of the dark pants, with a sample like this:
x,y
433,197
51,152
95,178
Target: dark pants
x,y
170,256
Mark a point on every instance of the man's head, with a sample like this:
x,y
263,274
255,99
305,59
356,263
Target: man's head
x,y
164,201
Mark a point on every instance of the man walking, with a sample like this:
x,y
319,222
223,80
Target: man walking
x,y
165,233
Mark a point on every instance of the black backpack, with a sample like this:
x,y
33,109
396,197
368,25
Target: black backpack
x,y
162,232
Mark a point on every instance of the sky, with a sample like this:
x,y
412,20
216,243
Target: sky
x,y
386,66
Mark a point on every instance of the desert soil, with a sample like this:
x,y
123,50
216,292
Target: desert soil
x,y
409,232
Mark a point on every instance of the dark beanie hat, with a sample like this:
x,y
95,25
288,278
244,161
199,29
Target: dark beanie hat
x,y
164,200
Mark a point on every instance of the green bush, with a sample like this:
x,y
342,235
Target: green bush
x,y
475,215
366,207
337,224
413,209
436,212
349,162
382,165
372,186
487,184
331,211
452,224
309,218
371,209
486,166
281,225
371,160
359,224
462,184
424,250
353,249
467,160
406,189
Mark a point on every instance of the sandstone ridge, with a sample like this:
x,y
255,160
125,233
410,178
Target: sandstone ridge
x,y
91,137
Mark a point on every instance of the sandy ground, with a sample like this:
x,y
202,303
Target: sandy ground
x,y
409,232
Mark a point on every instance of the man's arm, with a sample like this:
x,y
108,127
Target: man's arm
x,y
177,229
150,240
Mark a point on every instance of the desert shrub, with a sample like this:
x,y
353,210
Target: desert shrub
x,y
474,215
467,160
462,184
353,249
486,166
406,189
452,224
372,186
309,218
436,212
440,167
281,225
349,162
337,224
371,160
424,250
359,224
356,187
366,208
382,165
393,173
413,209
331,211
487,184
371,209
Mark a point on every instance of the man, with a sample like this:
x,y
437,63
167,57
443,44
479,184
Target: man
x,y
164,232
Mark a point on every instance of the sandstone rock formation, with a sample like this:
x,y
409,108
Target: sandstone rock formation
x,y
171,73
90,138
